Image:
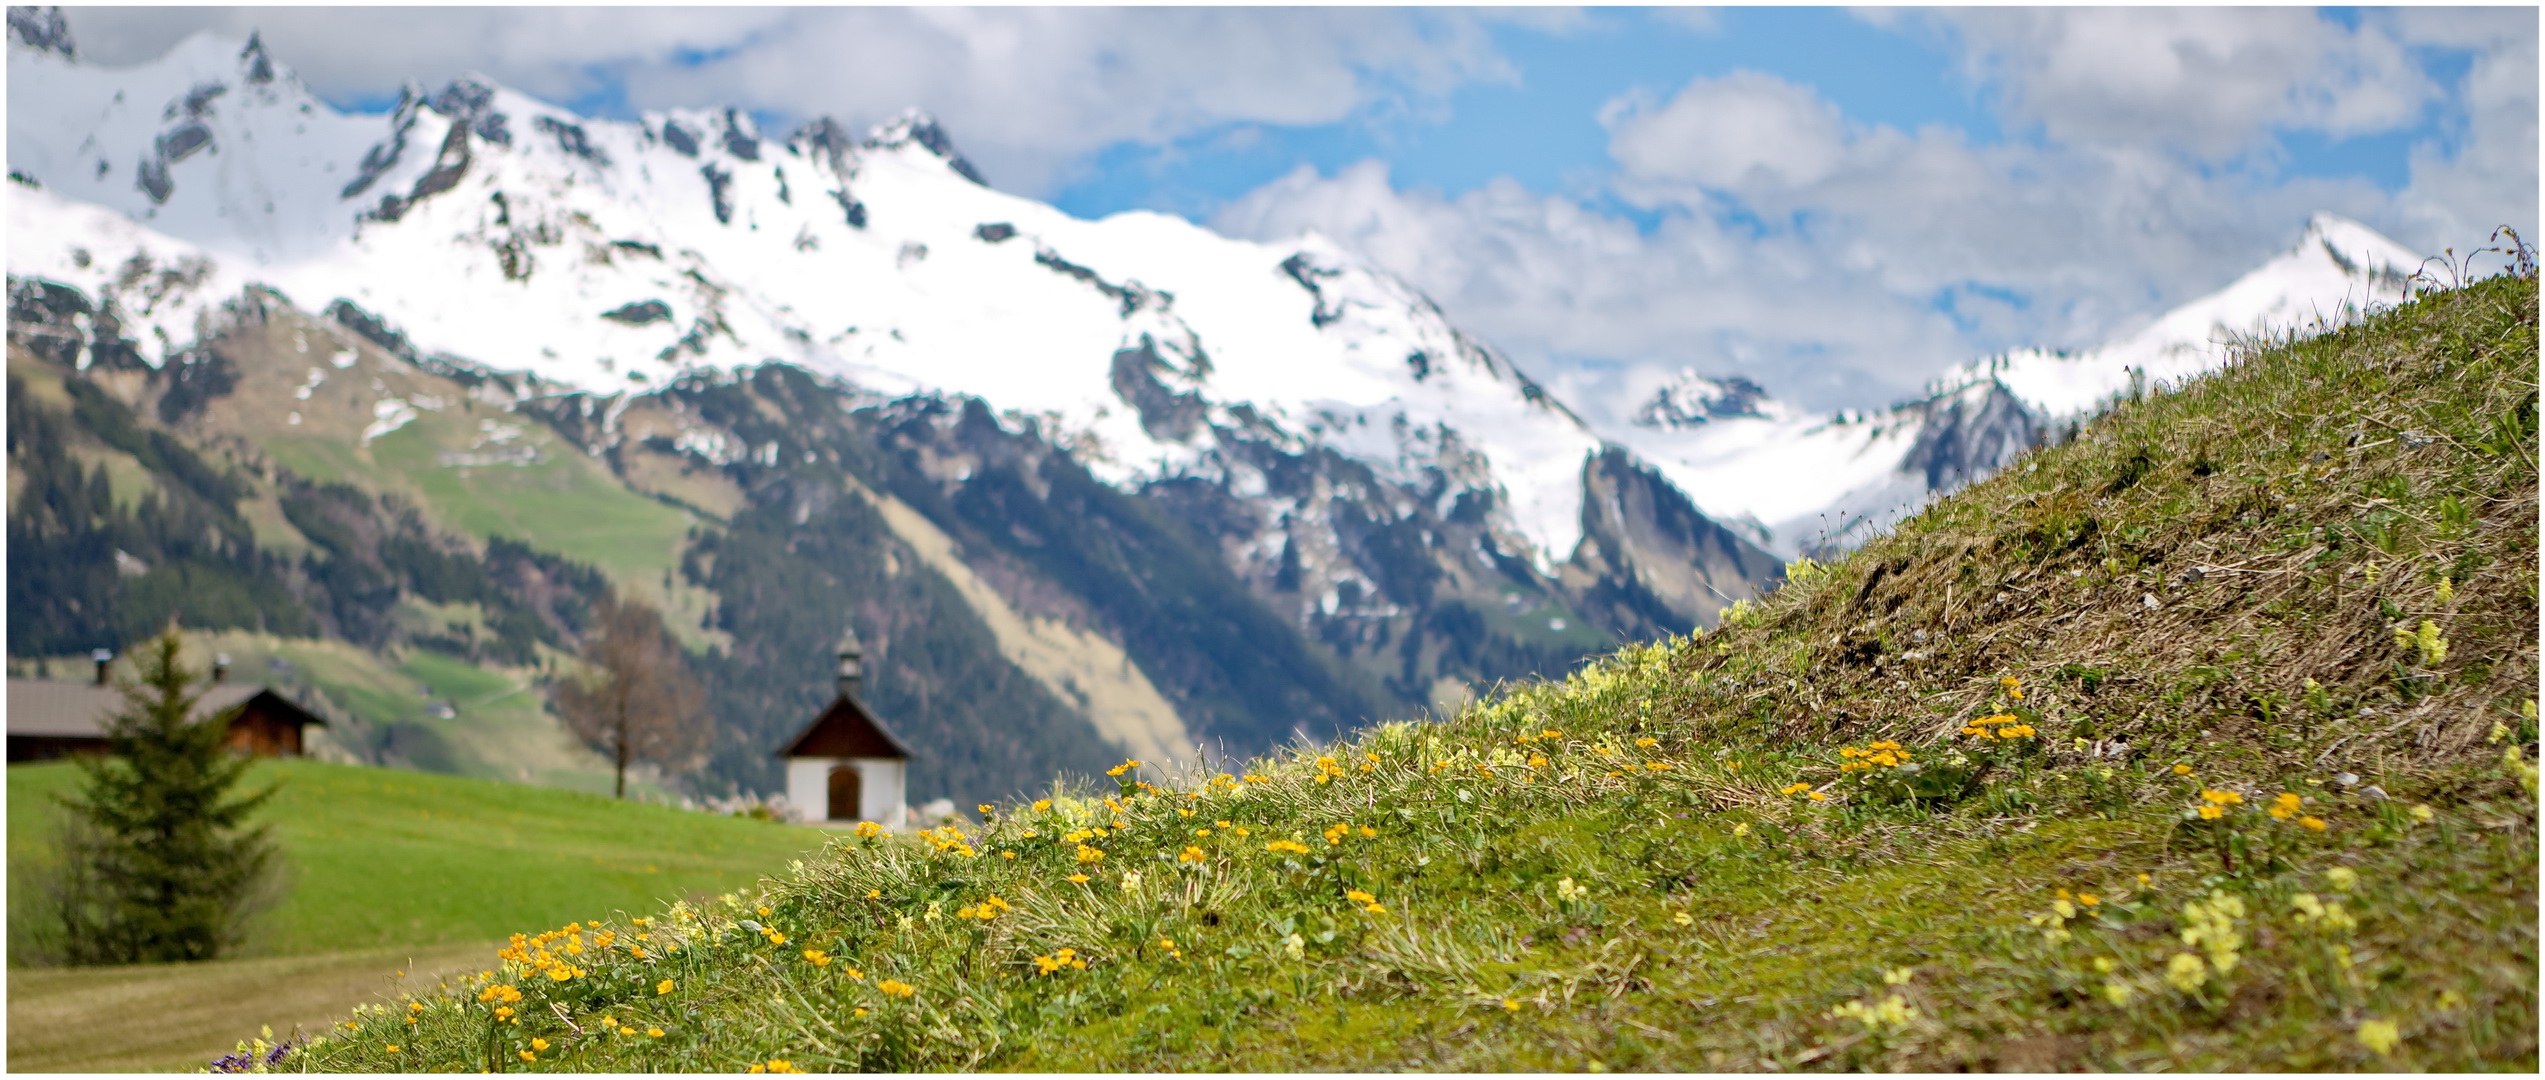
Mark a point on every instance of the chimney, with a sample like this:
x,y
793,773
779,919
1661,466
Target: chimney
x,y
851,664
103,658
220,667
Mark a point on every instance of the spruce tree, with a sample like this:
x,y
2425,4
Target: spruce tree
x,y
162,864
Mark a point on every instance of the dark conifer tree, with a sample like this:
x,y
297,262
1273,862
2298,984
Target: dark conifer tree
x,y
161,862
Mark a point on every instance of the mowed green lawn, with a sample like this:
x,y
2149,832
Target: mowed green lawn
x,y
388,857
383,862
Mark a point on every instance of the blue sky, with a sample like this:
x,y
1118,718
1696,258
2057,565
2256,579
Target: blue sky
x,y
1837,203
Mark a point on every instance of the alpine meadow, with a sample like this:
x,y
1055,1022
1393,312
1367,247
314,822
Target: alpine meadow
x,y
1419,539
2205,741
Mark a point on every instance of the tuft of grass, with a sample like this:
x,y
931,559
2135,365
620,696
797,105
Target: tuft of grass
x,y
2136,756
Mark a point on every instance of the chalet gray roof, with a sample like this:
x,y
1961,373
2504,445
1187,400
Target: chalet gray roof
x,y
65,709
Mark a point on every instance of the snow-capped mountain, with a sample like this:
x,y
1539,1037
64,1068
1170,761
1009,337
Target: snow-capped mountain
x,y
1800,483
607,256
1401,504
495,231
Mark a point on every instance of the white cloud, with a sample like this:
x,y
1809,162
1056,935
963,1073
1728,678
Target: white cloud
x,y
1027,92
1551,283
2455,199
1841,264
1841,267
2209,81
1744,129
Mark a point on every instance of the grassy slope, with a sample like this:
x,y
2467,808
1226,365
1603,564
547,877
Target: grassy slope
x,y
385,857
1615,872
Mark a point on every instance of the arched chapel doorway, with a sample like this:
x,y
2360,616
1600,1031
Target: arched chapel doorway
x,y
844,793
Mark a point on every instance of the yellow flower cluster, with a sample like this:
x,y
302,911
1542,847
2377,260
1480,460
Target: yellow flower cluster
x,y
2214,803
2313,911
503,997
989,908
2287,806
2064,906
2433,648
1368,902
775,1065
2210,926
869,830
1088,854
949,840
1126,766
1892,1014
1192,854
896,988
534,952
1876,755
1292,846
1327,770
1066,958
2001,726
2014,687
1801,788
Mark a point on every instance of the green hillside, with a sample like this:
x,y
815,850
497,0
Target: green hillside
x,y
2203,742
388,857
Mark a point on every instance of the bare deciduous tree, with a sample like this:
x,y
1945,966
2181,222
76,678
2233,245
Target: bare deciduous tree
x,y
635,699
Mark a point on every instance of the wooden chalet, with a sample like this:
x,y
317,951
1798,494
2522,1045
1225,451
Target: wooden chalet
x,y
847,766
51,718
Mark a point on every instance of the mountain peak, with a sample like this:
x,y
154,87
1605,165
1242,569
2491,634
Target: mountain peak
x,y
42,29
916,126
1691,399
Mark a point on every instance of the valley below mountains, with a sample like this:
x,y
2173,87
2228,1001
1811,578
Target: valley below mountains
x,y
389,401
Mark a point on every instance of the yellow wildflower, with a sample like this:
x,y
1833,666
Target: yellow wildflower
x,y
662,988
1077,879
528,1056
2286,806
2379,1036
896,988
2186,972
1191,854
2312,822
654,1033
538,1044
